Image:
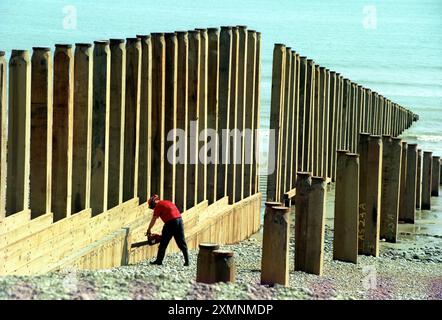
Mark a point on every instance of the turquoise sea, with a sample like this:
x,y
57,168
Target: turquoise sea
x,y
393,47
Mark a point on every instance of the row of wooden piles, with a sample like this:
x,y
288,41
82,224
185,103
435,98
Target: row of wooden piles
x,y
90,126
331,129
372,198
315,112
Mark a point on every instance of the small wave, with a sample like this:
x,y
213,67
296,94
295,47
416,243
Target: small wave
x,y
430,138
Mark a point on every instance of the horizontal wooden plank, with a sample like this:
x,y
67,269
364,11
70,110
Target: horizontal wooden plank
x,y
15,221
31,227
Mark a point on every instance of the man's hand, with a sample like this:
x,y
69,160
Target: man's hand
x,y
152,223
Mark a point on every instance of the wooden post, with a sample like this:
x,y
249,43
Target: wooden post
x,y
19,130
205,271
345,114
212,112
381,115
181,124
240,113
373,197
310,218
82,139
158,112
295,108
257,116
225,269
116,122
100,127
323,124
62,132
301,124
315,227
171,118
410,189
391,174
356,114
132,119
225,70
375,117
309,103
388,119
193,113
285,126
3,135
369,111
250,115
419,179
291,123
326,115
41,132
334,124
361,97
303,187
337,122
351,117
316,127
404,167
275,249
202,118
363,176
435,179
397,120
231,135
330,124
145,121
345,240
277,105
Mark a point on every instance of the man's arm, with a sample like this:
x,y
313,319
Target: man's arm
x,y
152,223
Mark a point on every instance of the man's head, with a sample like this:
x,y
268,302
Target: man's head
x,y
153,201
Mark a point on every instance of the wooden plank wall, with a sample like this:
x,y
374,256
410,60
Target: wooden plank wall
x,y
97,126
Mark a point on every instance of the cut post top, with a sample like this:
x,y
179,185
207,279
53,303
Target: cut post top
x,y
83,45
45,49
280,209
273,204
64,46
101,42
209,246
223,253
352,155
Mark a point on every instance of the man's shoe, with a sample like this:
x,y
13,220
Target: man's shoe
x,y
156,263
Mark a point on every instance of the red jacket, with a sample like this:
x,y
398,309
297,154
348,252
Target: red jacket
x,y
166,210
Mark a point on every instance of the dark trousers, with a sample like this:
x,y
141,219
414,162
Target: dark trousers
x,y
173,228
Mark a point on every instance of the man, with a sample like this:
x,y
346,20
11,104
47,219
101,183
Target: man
x,y
173,227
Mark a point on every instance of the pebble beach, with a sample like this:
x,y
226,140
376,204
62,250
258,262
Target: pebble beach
x,y
412,271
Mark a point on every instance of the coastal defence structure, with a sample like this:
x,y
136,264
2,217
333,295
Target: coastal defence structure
x,y
330,129
315,112
89,132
